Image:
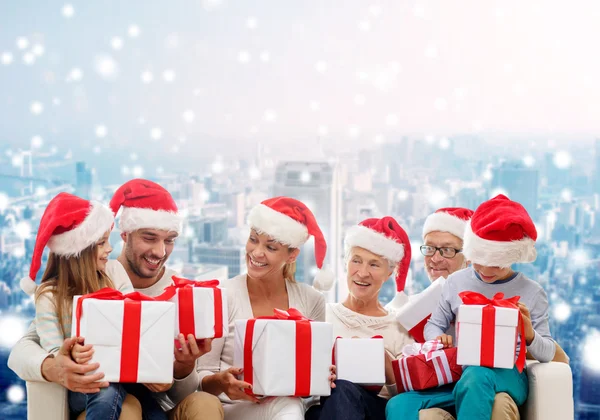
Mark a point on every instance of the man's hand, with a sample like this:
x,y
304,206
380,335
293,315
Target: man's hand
x,y
445,339
159,387
227,382
62,370
81,353
526,316
187,352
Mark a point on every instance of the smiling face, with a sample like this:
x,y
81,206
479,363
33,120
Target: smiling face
x,y
103,250
366,274
438,266
147,250
265,257
492,274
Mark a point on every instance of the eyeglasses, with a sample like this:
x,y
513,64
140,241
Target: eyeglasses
x,y
445,251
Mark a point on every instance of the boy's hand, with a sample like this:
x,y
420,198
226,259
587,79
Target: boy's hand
x,y
445,339
526,316
81,353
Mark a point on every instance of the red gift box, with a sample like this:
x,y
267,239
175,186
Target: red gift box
x,y
425,366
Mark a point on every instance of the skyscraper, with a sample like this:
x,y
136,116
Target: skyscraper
x,y
83,180
316,184
520,183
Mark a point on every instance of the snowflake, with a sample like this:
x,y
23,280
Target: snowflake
x,y
188,116
175,149
75,75
476,126
29,58
169,75
251,22
419,11
217,166
23,230
101,131
437,197
68,11
321,66
444,143
364,25
270,115
156,133
37,142
244,57
17,160
106,66
562,159
22,42
314,106
431,51
440,104
40,191
402,195
566,195
116,43
265,57
562,311
379,139
137,171
375,10
182,139
391,119
591,349
323,130
172,41
147,77
429,139
36,108
125,170
254,173
209,5
134,31
19,252
354,131
15,394
529,161
580,258
6,58
56,101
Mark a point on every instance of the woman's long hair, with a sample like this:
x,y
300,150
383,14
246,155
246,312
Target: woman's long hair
x,y
289,271
66,277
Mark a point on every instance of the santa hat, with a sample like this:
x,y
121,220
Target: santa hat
x,y
449,219
145,205
290,222
68,226
383,237
500,234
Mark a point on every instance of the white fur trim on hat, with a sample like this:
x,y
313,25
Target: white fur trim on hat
x,y
133,218
278,226
375,242
497,253
444,222
28,286
94,226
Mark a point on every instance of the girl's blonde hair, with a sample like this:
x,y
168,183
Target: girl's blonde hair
x,y
66,277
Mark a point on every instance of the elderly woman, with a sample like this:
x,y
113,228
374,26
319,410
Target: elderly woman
x,y
279,226
374,249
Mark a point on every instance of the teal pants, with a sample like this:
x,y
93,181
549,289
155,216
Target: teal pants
x,y
472,396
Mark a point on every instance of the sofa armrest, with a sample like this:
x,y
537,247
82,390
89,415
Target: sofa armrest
x,y
550,392
47,401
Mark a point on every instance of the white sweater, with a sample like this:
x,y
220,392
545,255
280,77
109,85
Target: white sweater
x,y
300,296
348,324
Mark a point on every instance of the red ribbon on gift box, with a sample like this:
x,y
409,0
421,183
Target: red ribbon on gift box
x,y
130,335
488,324
185,301
303,349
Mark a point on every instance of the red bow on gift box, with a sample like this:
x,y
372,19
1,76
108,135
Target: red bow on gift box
x,y
185,300
303,349
488,324
132,318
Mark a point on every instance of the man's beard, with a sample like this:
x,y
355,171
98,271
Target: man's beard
x,y
136,270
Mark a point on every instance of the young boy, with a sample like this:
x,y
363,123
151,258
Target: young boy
x,y
500,234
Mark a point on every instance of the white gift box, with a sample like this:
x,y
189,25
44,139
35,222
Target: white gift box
x,y
360,360
469,337
274,357
202,312
104,324
413,314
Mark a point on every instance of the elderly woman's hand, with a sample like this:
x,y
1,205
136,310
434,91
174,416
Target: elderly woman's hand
x,y
332,376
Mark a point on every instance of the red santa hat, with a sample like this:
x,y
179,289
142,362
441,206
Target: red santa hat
x,y
145,205
68,226
290,222
449,219
500,234
383,237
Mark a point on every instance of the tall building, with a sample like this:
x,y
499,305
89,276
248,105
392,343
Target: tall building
x,y
520,182
232,256
83,180
316,184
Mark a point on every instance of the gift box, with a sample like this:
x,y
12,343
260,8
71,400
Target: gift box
x,y
284,355
414,315
425,366
132,335
486,331
360,360
200,307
